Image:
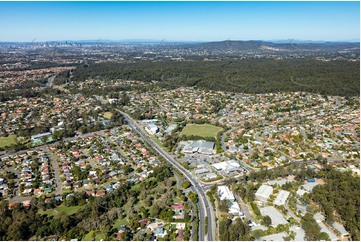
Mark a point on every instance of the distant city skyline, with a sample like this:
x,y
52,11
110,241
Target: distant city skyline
x,y
179,21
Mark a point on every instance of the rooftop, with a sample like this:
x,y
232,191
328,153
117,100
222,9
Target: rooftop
x,y
281,197
276,217
224,193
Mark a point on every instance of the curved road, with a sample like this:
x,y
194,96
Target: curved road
x,y
205,209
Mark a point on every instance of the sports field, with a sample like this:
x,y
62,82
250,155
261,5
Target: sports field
x,y
7,141
203,130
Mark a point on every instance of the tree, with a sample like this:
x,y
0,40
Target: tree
x,y
186,184
267,221
311,227
324,236
223,206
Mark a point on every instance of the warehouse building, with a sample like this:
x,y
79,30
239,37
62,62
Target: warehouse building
x,y
264,192
225,194
276,217
281,198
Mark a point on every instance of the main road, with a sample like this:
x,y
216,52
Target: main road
x,y
205,208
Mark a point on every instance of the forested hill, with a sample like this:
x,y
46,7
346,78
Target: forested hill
x,y
292,45
338,77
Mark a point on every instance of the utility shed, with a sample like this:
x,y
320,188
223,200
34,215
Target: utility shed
x,y
281,198
264,192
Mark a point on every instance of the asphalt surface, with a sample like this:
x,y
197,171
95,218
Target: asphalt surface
x,y
205,209
54,164
50,81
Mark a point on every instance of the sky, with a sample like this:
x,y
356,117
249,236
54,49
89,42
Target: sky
x,y
179,21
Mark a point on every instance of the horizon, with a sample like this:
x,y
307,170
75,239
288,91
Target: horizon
x,y
180,21
186,41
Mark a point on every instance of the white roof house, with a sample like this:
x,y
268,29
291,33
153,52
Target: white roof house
x,y
276,217
281,198
308,186
225,194
264,192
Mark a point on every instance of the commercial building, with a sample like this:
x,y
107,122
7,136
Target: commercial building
x,y
235,209
225,194
37,138
300,233
201,171
151,128
331,235
210,176
227,166
264,192
340,229
199,146
276,217
281,198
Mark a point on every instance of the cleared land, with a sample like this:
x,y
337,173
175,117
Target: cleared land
x,y
108,115
7,141
202,130
54,212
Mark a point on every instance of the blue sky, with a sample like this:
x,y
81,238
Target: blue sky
x,y
194,21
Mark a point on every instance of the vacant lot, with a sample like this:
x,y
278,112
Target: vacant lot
x,y
7,141
203,130
54,212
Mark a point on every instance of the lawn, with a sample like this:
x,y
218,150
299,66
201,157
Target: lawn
x,y
108,115
68,210
7,141
119,222
202,130
95,235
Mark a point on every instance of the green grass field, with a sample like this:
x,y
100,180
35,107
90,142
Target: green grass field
x,y
119,222
107,115
95,235
7,141
203,130
54,212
